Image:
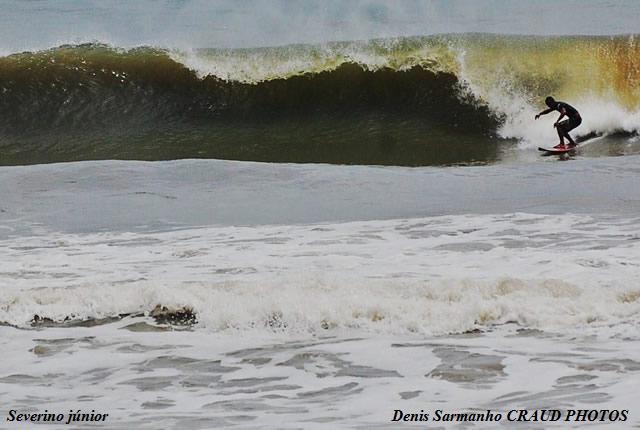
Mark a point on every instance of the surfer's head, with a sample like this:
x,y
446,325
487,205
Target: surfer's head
x,y
550,101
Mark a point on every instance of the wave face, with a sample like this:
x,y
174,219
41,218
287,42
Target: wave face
x,y
409,101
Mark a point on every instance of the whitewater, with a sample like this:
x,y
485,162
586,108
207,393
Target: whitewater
x,y
317,214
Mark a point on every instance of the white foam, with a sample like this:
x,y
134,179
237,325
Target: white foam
x,y
310,304
433,276
598,116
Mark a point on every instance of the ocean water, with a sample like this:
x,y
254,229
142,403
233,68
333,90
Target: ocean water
x,y
311,214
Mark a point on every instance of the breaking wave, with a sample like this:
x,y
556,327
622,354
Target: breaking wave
x,y
408,101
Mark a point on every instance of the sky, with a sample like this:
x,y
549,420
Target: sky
x,y
41,24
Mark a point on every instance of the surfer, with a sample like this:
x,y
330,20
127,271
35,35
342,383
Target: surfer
x,y
565,126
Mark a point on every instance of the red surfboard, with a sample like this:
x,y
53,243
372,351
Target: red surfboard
x,y
564,150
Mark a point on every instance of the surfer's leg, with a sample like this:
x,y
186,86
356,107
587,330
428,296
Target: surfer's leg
x,y
570,125
560,133
571,141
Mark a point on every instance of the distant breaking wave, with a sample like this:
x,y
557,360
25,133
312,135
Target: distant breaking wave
x,y
409,101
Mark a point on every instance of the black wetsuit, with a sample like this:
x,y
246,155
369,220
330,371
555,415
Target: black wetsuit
x,y
574,116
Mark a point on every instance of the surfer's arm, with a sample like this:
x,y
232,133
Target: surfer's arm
x,y
544,112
